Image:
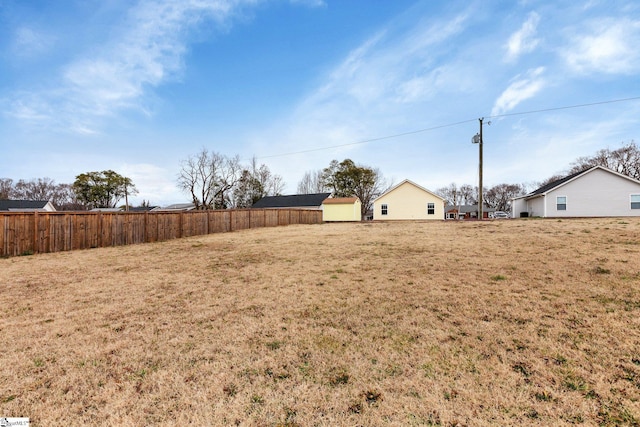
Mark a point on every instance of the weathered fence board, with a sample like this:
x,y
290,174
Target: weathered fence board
x,y
41,232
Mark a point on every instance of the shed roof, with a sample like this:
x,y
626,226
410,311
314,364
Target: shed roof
x,y
295,200
340,201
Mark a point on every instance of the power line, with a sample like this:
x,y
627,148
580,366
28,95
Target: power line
x,y
563,108
311,150
368,140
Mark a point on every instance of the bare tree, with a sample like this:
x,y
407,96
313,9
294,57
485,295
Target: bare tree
x,y
66,199
36,189
468,194
551,179
272,184
451,194
624,160
6,188
499,196
312,183
209,178
255,183
62,196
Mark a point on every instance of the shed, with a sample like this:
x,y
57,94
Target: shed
x,y
342,209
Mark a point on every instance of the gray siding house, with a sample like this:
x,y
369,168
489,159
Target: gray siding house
x,y
594,192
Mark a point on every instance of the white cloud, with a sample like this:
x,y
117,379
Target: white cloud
x,y
609,47
519,90
384,86
148,51
524,40
154,184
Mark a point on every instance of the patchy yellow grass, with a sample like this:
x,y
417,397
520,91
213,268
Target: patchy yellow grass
x,y
523,322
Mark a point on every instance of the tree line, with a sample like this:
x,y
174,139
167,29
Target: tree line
x,y
215,181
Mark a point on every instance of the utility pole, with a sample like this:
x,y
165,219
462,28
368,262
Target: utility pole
x,y
477,139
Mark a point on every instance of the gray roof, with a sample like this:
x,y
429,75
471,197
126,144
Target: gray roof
x,y
468,208
141,208
176,207
10,205
555,183
292,201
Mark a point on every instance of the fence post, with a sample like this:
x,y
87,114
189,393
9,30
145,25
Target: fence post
x,y
35,233
99,228
180,223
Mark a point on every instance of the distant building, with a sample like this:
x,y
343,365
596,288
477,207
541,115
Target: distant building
x,y
467,211
26,206
341,209
296,201
176,207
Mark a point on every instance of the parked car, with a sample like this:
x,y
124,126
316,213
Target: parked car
x,y
500,215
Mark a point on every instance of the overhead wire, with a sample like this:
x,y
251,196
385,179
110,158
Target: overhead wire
x,y
364,141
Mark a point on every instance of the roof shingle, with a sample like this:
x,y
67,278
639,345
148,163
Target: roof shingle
x,y
296,200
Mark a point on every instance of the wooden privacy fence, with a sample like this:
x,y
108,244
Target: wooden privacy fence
x,y
40,232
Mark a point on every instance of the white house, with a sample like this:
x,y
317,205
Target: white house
x,y
594,192
408,200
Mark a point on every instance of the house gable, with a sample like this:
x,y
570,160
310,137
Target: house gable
x,y
407,201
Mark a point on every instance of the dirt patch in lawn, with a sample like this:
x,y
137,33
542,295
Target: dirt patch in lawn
x,y
414,323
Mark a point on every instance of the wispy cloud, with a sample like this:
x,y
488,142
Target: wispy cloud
x,y
389,65
148,51
380,87
608,46
522,88
310,3
29,42
524,40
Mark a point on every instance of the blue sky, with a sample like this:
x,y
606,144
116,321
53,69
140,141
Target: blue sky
x,y
139,86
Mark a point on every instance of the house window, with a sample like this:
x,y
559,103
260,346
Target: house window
x,y
431,208
384,209
561,203
635,201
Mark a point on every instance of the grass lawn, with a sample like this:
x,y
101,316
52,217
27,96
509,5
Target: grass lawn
x,y
514,322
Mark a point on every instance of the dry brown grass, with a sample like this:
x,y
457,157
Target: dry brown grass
x,y
525,322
